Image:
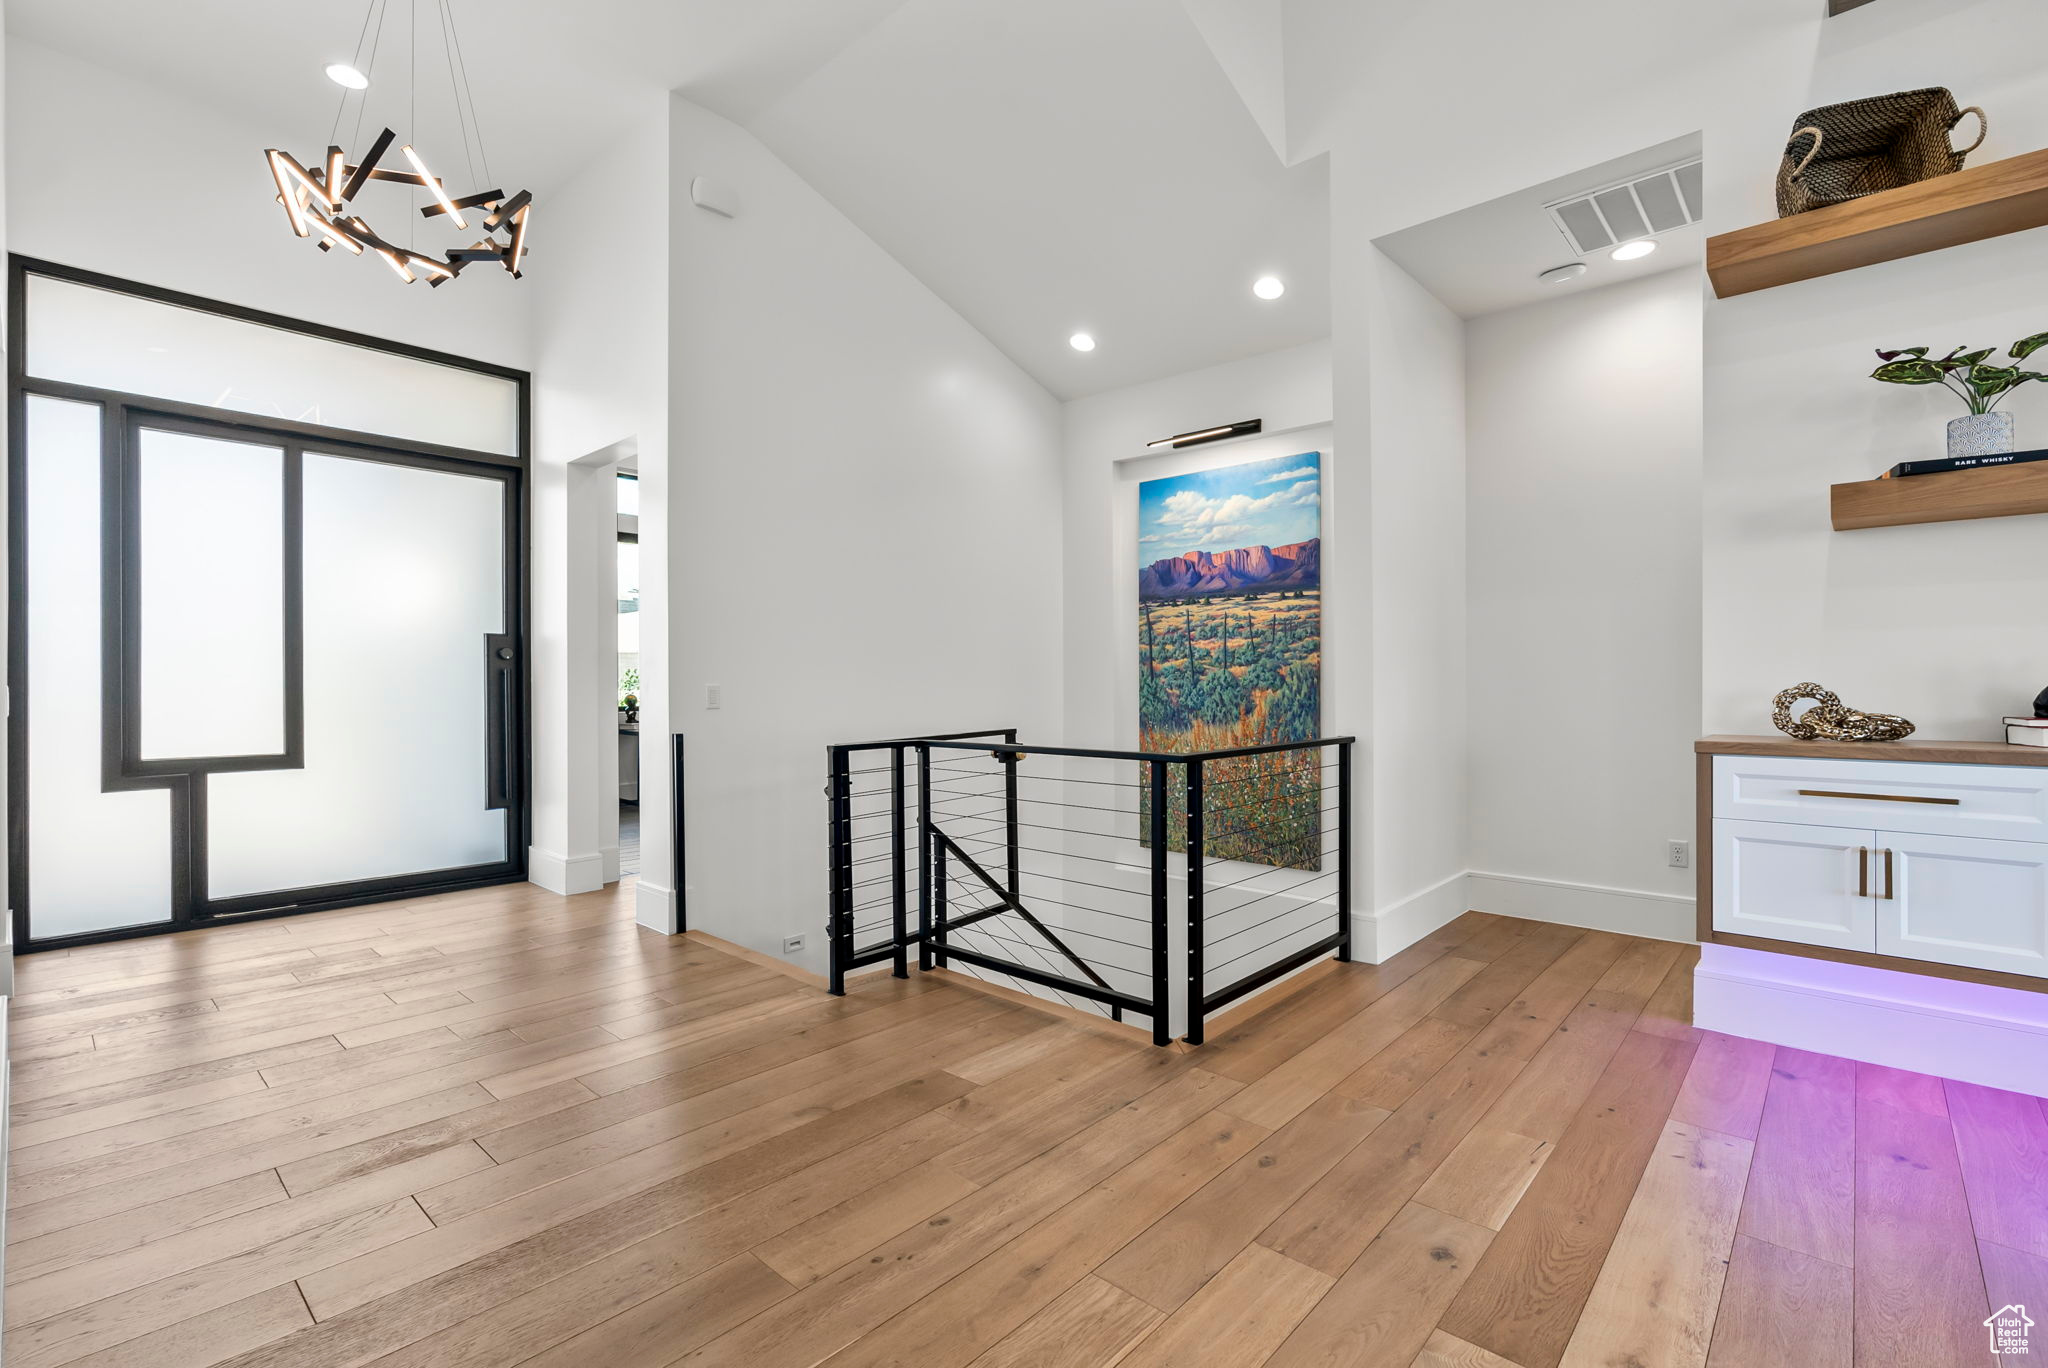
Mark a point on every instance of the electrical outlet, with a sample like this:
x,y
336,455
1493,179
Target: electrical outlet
x,y
1678,854
714,695
792,945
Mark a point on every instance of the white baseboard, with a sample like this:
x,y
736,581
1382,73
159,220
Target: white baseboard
x,y
610,856
1380,935
1660,916
1969,1031
654,907
564,874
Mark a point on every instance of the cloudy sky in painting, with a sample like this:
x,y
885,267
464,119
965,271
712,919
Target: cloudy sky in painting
x,y
1261,503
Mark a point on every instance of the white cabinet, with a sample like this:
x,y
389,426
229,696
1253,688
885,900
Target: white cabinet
x,y
1797,883
1928,862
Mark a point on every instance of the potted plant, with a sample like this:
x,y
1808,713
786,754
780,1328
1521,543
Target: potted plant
x,y
629,696
1969,377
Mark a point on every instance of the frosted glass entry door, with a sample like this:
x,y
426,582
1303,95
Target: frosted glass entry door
x,y
404,580
266,651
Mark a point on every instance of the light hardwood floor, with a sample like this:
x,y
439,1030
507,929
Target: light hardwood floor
x,y
502,1127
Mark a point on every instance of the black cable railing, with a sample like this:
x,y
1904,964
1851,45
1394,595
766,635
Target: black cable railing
x,y
1154,885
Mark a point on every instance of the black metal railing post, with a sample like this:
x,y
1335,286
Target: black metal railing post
x,y
936,940
1012,822
839,914
676,867
1344,851
1195,932
924,857
1160,1032
899,876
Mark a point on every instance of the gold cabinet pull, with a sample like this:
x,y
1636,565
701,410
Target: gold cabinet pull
x,y
1881,797
1862,871
1887,873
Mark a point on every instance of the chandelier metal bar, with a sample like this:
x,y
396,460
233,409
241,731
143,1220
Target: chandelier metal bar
x,y
502,215
367,167
480,198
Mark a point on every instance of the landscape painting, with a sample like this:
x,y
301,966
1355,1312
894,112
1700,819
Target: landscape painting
x,y
1230,650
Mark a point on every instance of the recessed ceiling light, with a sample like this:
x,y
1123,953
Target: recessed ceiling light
x,y
1081,342
1629,251
1269,287
342,74
1560,275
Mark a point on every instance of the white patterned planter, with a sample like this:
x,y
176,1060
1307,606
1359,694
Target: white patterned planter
x,y
1980,434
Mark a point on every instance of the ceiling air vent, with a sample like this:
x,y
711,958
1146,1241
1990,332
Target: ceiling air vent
x,y
1643,207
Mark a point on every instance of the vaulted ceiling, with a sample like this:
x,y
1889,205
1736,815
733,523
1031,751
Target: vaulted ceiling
x,y
1112,166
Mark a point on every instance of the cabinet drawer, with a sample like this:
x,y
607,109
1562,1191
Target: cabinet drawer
x,y
1998,802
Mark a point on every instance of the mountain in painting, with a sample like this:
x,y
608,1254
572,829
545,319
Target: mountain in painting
x,y
1246,570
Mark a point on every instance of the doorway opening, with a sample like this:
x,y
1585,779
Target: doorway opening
x,y
629,669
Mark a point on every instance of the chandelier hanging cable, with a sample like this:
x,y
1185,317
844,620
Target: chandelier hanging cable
x,y
319,200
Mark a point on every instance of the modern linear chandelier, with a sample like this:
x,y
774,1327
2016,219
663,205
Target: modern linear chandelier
x,y
319,200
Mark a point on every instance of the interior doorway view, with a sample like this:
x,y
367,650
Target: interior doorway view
x,y
629,673
271,658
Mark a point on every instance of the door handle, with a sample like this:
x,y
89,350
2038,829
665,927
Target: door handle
x,y
1887,873
500,716
1862,871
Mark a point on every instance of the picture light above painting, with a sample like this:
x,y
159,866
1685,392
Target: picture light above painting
x,y
1222,432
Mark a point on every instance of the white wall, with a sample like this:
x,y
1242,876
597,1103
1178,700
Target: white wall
x,y
135,180
1413,396
600,338
1583,556
865,516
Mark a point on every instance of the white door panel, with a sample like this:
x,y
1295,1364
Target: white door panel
x,y
1791,882
1981,904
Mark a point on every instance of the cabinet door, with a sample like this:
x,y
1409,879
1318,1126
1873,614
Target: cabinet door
x,y
1794,883
1954,900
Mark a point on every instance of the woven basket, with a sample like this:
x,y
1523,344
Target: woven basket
x,y
1844,151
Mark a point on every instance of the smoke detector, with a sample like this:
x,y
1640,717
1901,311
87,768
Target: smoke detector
x,y
1641,207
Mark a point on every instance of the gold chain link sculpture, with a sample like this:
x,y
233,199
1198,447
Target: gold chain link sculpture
x,y
1829,720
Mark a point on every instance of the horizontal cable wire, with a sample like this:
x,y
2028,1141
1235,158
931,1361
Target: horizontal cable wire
x,y
1256,874
973,930
1044,778
1258,925
979,926
1255,949
1313,878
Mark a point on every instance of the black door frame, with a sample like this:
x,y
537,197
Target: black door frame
x,y
121,414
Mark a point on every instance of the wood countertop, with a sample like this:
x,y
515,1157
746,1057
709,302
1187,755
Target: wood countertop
x,y
1926,752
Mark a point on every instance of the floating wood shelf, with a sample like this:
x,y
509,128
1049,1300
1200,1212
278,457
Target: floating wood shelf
x,y
1981,202
1994,492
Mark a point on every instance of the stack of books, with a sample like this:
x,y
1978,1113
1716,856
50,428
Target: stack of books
x,y
1945,464
2026,731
